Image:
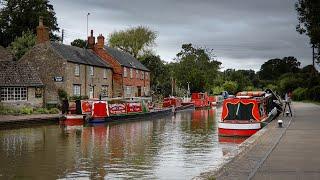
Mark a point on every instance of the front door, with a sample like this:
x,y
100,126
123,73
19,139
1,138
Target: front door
x,y
139,91
91,91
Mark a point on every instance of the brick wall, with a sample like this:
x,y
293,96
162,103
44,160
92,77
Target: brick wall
x,y
117,71
136,81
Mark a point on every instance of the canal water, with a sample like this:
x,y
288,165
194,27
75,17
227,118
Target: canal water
x,y
171,147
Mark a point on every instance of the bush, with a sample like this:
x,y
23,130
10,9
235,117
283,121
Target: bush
x,y
41,111
78,97
300,94
54,111
314,93
62,94
26,110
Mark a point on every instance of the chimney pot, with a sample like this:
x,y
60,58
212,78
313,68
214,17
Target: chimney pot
x,y
91,40
42,32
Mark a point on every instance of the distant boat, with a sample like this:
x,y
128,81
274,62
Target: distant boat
x,y
248,112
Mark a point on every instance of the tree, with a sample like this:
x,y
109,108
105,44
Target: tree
x,y
196,66
134,40
79,43
22,44
309,22
17,16
274,68
231,87
159,75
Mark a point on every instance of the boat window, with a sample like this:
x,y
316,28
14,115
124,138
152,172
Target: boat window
x,y
239,111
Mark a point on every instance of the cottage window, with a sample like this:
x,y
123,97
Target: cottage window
x,y
104,90
91,70
137,74
147,74
142,75
105,72
14,94
131,73
125,73
77,90
77,70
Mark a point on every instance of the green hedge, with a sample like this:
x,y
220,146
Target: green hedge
x,y
300,94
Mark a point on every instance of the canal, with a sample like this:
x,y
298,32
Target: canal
x,y
171,147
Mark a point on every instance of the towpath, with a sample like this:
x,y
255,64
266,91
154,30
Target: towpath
x,y
291,152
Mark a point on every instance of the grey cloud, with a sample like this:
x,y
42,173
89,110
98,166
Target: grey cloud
x,y
243,33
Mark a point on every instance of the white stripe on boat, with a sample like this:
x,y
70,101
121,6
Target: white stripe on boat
x,y
239,126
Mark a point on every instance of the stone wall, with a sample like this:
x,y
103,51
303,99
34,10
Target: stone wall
x,y
86,80
5,55
49,65
31,101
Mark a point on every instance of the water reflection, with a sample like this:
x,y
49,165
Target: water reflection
x,y
177,147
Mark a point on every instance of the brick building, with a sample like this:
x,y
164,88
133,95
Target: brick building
x,y
130,77
20,84
78,71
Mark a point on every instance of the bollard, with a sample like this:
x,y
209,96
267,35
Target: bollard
x,y
280,123
287,113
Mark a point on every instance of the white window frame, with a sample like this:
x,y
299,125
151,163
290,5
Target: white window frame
x,y
91,92
105,73
77,70
142,75
91,70
77,90
137,73
104,90
147,75
12,94
125,73
131,73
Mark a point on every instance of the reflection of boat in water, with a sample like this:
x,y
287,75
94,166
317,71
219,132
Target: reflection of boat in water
x,y
72,124
248,112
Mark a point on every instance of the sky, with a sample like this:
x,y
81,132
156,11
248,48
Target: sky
x,y
242,33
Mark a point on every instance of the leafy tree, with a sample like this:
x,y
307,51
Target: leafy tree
x,y
231,87
22,44
274,68
134,40
17,16
159,75
309,21
196,66
244,78
79,43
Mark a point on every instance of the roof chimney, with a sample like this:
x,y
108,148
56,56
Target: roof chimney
x,y
91,40
42,32
100,43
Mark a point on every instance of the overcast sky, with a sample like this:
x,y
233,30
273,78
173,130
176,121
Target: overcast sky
x,y
243,33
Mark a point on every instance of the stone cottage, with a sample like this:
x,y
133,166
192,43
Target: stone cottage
x,y
78,71
130,77
5,55
20,84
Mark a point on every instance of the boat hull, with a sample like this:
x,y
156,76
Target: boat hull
x,y
241,130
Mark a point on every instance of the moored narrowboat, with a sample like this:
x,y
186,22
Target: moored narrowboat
x,y
248,112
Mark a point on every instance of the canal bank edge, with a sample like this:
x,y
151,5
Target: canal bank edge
x,y
251,164
38,118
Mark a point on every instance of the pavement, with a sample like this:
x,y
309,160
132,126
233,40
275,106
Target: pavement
x,y
291,152
297,155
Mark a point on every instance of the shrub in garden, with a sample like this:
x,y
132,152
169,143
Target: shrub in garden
x,y
314,93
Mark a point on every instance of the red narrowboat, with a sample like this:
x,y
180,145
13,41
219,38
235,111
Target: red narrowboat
x,y
176,103
248,112
200,100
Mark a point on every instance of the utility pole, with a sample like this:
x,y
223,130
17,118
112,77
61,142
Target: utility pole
x,y
87,25
62,36
313,55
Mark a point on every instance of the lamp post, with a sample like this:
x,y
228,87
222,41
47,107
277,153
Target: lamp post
x,y
88,24
188,90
